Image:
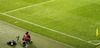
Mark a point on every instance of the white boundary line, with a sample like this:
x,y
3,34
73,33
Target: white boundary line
x,y
47,28
93,42
41,35
29,6
40,25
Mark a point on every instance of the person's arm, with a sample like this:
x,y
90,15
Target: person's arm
x,y
29,36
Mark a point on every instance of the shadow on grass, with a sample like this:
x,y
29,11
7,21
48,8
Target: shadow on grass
x,y
31,46
20,43
14,46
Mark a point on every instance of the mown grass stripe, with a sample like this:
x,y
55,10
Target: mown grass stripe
x,y
29,6
47,28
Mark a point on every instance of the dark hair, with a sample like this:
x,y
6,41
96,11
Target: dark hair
x,y
24,44
27,32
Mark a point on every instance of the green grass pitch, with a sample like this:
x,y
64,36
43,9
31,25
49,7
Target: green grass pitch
x,y
10,32
78,18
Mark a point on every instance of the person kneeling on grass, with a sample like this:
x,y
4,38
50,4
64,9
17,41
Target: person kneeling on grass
x,y
12,43
27,37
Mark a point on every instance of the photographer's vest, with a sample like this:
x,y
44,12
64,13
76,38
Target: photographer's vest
x,y
26,37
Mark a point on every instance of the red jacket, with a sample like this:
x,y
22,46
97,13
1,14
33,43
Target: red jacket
x,y
26,37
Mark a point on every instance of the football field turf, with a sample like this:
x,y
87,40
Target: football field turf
x,y
72,22
10,32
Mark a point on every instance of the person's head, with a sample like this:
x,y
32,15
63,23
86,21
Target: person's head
x,y
24,44
27,32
